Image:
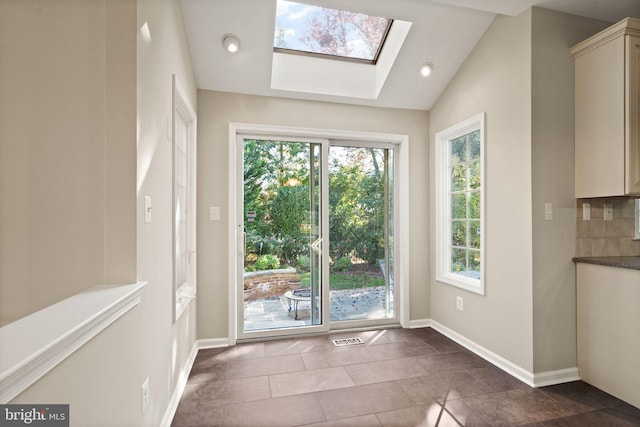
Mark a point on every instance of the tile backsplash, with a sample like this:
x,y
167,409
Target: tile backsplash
x,y
597,237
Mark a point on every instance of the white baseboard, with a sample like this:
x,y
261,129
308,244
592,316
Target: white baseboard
x,y
213,343
540,379
555,377
420,323
170,412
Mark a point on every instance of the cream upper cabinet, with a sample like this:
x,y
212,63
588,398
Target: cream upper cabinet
x,y
607,112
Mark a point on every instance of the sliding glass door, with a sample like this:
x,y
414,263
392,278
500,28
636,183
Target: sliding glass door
x,y
361,233
282,206
318,246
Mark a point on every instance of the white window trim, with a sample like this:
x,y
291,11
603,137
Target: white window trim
x,y
637,216
401,190
443,205
184,293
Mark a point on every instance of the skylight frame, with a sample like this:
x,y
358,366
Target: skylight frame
x,y
329,56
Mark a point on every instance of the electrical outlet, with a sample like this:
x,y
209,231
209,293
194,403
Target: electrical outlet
x,y
548,211
460,303
586,211
145,394
607,209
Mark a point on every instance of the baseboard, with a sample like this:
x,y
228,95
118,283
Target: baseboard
x,y
213,343
555,377
540,379
420,323
170,412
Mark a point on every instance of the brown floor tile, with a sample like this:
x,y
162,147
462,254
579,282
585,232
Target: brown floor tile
x,y
443,344
362,421
454,385
236,352
297,346
581,392
497,378
447,362
265,366
418,416
398,350
397,377
510,408
281,412
399,335
338,357
208,369
598,418
224,392
190,414
309,381
438,341
362,400
388,370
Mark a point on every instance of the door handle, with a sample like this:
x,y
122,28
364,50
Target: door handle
x,y
316,244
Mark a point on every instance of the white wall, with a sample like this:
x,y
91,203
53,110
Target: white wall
x,y
167,345
218,109
521,75
102,380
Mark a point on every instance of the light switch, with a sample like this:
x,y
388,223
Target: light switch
x,y
147,209
548,211
214,213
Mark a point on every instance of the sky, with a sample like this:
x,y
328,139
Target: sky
x,y
294,17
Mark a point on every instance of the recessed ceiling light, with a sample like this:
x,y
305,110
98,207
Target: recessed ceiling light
x,y
231,43
426,69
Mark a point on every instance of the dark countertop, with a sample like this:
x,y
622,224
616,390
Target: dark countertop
x,y
630,262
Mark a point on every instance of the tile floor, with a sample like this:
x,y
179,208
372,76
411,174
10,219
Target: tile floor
x,y
398,377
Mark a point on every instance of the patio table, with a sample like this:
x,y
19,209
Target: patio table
x,y
296,296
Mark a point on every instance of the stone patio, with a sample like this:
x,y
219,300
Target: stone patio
x,y
349,304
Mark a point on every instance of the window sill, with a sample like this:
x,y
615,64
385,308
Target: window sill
x,y
32,346
466,283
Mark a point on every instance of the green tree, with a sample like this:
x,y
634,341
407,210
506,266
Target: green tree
x,y
271,170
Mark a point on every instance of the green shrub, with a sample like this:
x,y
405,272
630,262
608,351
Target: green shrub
x,y
304,263
267,262
342,264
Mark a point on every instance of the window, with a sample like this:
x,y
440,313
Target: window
x,y
184,131
459,204
337,34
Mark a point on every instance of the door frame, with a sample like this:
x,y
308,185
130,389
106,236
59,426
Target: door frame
x,y
401,219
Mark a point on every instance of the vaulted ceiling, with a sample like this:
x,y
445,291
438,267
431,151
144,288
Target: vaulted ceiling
x,y
443,32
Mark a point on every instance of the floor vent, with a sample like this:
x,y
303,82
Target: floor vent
x,y
347,341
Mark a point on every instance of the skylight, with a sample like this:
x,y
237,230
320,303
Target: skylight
x,y
329,33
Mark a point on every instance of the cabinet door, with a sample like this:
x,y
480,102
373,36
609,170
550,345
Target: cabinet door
x,y
632,149
600,113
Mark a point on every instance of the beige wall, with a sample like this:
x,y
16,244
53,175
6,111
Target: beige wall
x,y
521,75
217,109
552,150
495,79
67,152
53,77
102,380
